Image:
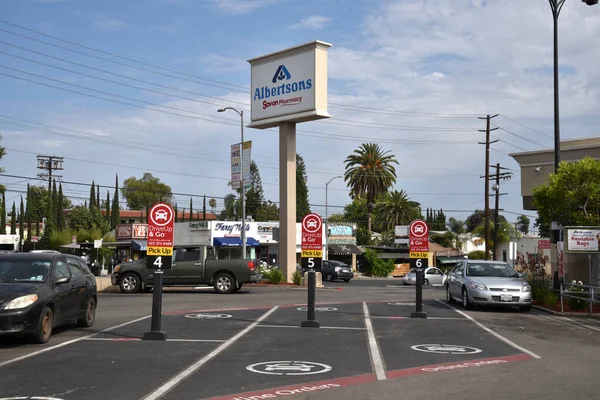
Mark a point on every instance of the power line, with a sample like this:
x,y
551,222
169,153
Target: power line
x,y
519,136
528,127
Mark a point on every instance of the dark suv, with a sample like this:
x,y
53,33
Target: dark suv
x,y
334,270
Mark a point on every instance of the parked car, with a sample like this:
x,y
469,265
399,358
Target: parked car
x,y
332,270
433,276
191,266
40,291
494,283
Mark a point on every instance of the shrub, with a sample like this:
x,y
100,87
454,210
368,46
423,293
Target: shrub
x,y
297,278
476,255
275,276
581,293
377,266
550,298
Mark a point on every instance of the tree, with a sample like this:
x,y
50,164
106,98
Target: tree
x,y
144,192
447,239
254,193
395,208
302,206
21,220
3,216
80,218
231,208
268,211
506,231
13,220
478,218
213,204
204,208
61,207
107,208
523,224
2,187
98,196
28,213
456,226
92,195
116,210
369,174
176,212
191,210
571,197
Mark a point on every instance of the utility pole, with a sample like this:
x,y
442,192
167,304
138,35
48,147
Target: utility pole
x,y
487,178
503,176
49,164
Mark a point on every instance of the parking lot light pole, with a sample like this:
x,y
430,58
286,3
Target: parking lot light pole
x,y
243,187
327,219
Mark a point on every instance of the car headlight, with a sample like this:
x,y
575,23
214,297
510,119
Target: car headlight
x,y
477,286
22,302
337,269
526,288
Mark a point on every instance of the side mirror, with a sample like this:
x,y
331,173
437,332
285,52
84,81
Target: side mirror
x,y
521,275
60,281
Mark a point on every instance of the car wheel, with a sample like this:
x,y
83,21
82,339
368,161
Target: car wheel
x,y
525,308
44,329
426,283
224,283
449,298
90,314
465,300
329,278
130,283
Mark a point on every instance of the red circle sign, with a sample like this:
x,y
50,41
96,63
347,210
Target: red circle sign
x,y
419,229
161,214
311,223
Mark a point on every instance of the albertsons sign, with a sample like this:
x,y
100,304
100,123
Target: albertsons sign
x,y
290,85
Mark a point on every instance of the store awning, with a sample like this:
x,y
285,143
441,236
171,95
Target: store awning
x,y
139,244
344,249
234,242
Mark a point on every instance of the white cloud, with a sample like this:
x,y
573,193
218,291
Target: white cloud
x,y
314,22
106,23
242,6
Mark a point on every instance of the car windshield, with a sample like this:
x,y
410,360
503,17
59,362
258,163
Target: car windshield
x,y
24,270
490,269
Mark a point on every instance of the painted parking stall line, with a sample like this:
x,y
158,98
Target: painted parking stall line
x,y
488,330
180,377
282,357
376,358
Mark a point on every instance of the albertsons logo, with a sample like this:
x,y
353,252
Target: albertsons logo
x,y
282,74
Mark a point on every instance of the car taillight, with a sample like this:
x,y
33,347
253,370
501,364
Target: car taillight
x,y
251,265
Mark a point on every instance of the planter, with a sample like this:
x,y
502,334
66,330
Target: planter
x,y
556,308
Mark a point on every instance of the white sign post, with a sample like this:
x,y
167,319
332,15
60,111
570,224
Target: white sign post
x,y
288,87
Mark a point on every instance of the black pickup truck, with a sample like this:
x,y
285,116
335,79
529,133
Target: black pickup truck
x,y
191,266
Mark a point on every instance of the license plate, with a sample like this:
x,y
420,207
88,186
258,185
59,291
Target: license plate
x,y
506,297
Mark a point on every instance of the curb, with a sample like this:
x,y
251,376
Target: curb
x,y
567,314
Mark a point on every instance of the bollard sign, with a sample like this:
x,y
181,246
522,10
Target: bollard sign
x,y
312,241
161,223
419,244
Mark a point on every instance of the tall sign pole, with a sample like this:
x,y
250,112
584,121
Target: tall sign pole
x,y
289,87
159,253
419,258
312,255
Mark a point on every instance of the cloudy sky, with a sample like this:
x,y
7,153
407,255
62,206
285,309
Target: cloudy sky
x,y
124,87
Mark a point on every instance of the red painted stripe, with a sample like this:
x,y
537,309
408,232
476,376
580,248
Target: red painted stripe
x,y
482,362
300,388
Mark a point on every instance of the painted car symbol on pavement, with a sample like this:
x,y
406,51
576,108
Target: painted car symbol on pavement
x,y
289,368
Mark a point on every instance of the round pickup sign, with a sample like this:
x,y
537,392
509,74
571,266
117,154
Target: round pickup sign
x,y
161,214
30,398
208,316
419,229
318,309
311,223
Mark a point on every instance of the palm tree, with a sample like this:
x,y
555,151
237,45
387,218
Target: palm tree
x,y
213,204
395,208
369,173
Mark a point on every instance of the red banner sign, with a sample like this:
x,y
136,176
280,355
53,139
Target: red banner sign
x,y
419,236
312,232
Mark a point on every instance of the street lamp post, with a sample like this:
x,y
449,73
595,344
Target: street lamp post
x,y
243,187
327,219
556,6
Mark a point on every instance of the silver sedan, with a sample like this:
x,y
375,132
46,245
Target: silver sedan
x,y
488,283
433,276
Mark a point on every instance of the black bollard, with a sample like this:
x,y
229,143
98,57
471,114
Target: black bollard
x,y
419,313
311,322
155,332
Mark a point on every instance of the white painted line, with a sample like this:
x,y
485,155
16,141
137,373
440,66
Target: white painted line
x,y
177,379
168,340
579,323
322,327
343,328
278,326
374,347
44,350
485,328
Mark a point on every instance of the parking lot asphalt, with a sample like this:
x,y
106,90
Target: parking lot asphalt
x,y
252,346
